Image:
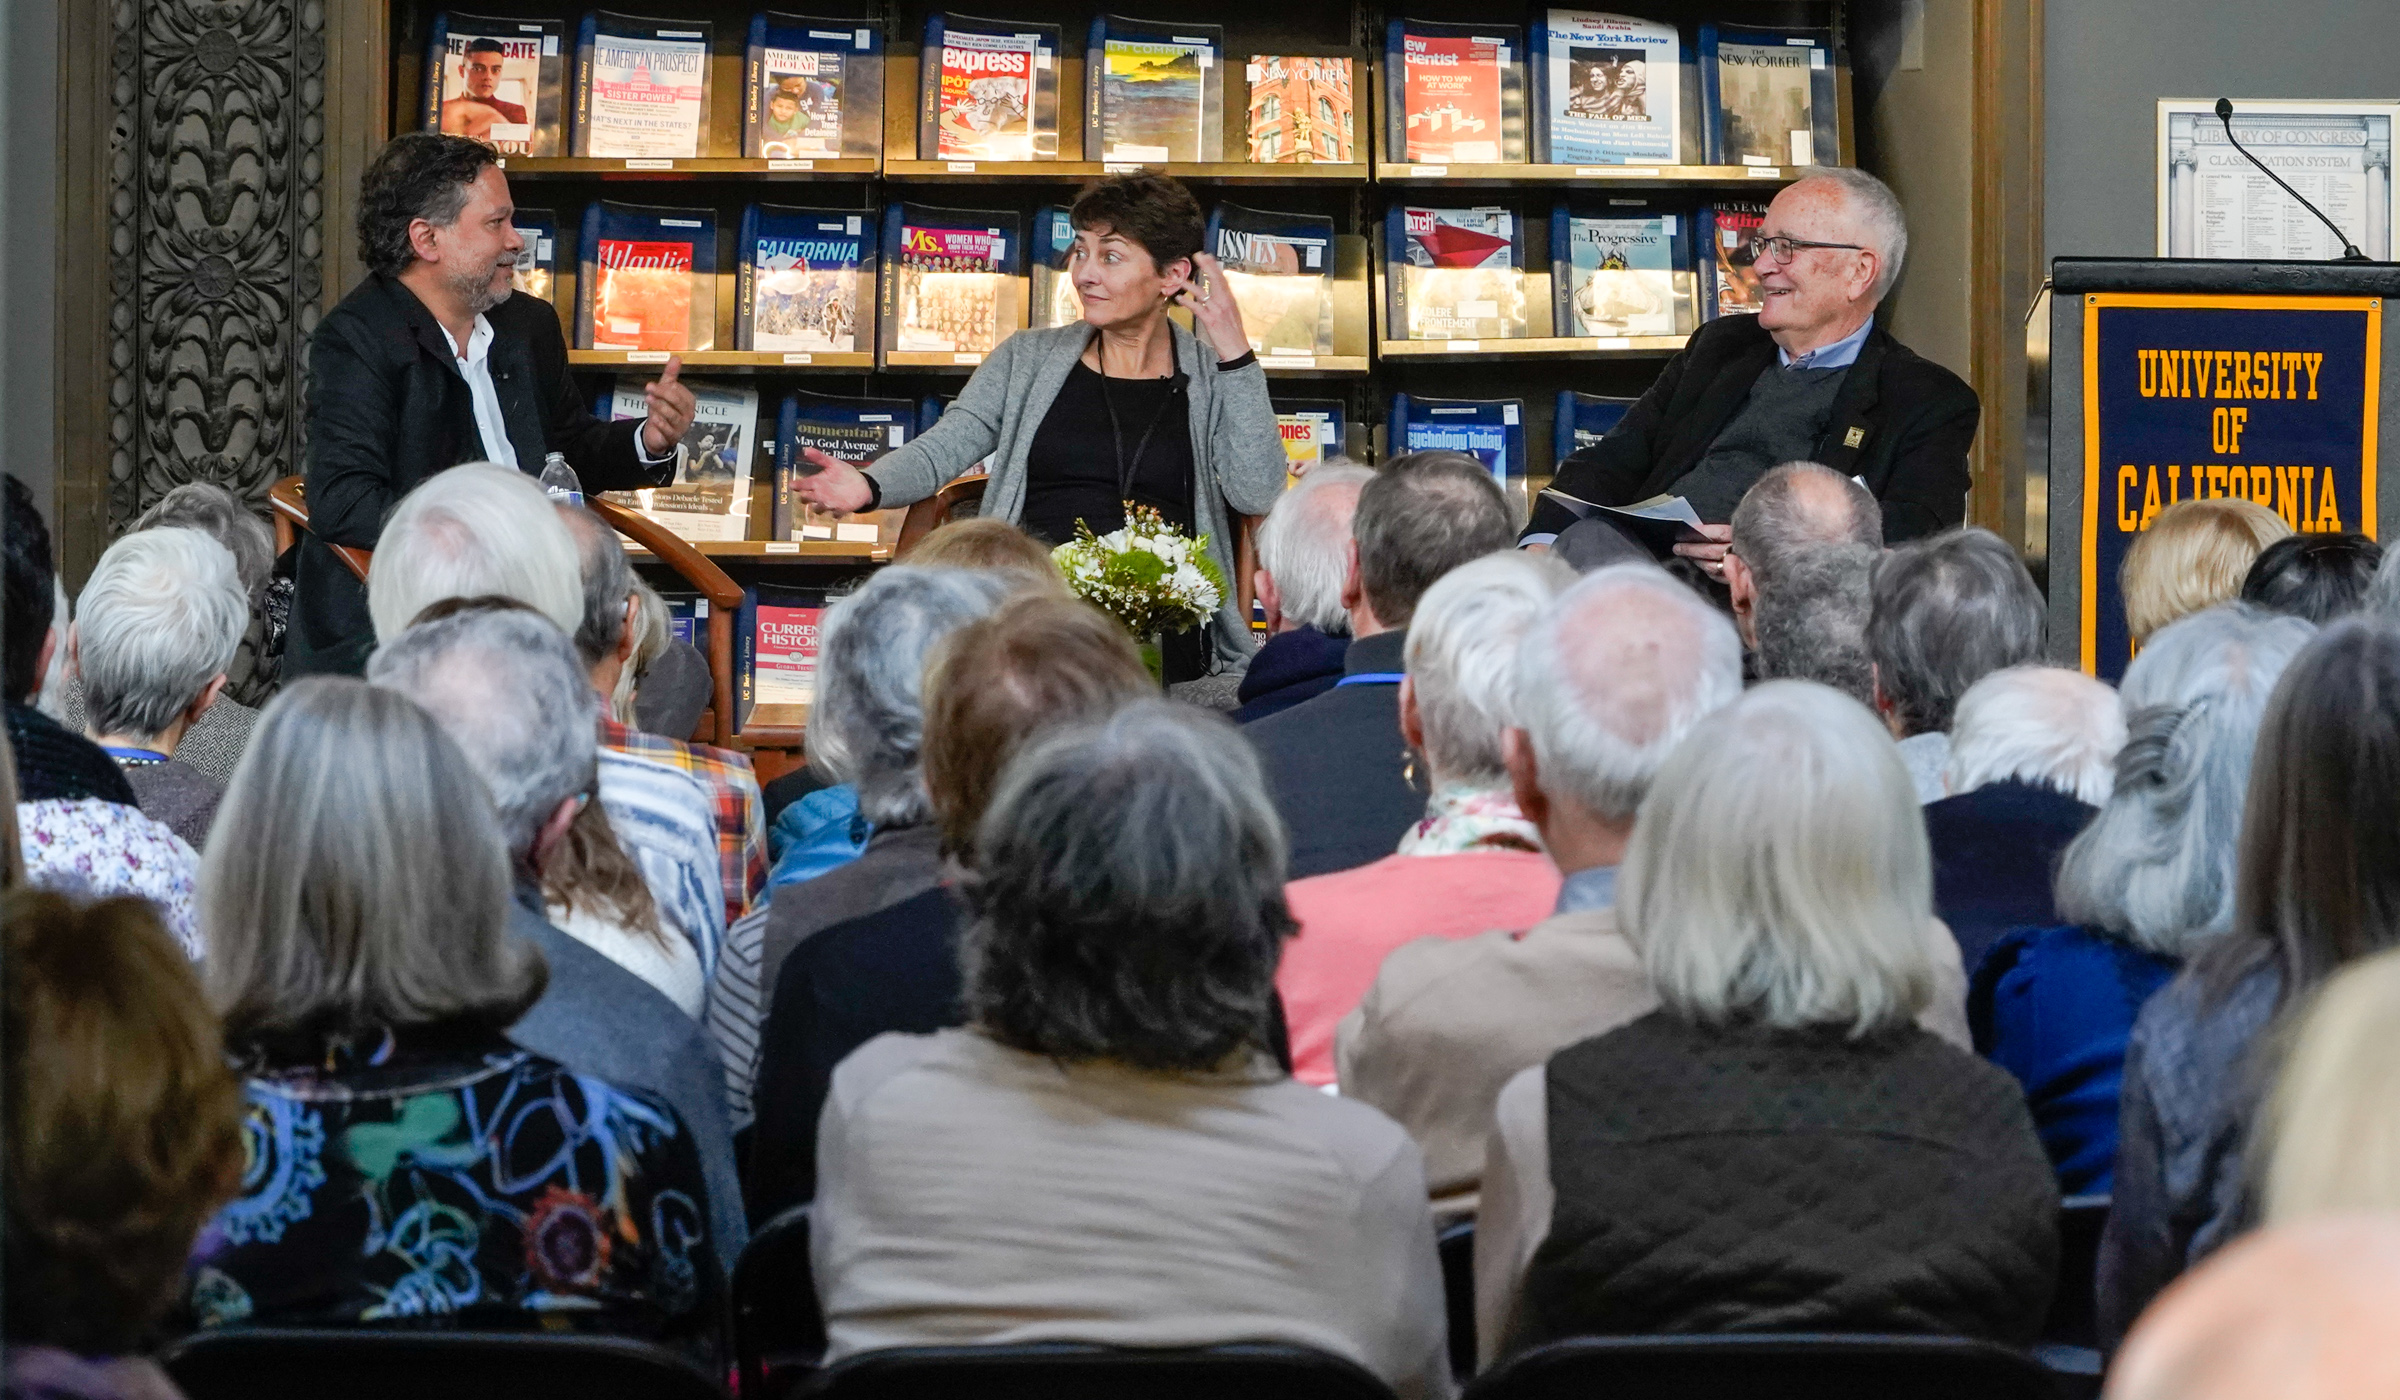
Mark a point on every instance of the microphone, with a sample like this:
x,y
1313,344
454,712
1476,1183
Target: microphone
x,y
2350,251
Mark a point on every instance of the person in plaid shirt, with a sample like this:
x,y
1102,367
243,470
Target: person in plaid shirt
x,y
605,640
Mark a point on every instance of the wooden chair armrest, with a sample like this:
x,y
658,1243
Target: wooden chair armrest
x,y
932,513
287,502
698,570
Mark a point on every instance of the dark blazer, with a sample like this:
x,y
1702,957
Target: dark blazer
x,y
388,408
1914,421
1288,668
1334,766
1995,855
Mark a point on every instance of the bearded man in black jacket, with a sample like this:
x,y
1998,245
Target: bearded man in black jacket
x,y
435,360
1811,377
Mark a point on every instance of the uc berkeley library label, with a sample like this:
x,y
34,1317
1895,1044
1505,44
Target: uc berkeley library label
x,y
2269,398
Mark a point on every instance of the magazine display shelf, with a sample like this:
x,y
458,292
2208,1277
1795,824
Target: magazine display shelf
x,y
1766,178
728,361
700,167
1569,347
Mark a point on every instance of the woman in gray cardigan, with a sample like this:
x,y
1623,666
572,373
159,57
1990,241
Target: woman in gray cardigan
x,y
1124,405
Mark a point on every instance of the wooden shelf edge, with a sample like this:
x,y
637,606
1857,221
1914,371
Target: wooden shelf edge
x,y
770,736
849,362
1068,171
1556,348
1514,173
777,549
698,167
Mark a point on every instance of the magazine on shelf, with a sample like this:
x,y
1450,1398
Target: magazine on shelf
x,y
641,87
804,277
1279,268
1055,300
1584,419
1767,96
1490,430
988,90
1730,282
1625,272
775,641
710,496
1458,90
497,80
812,89
951,279
1607,90
647,279
687,618
536,273
1301,109
1456,274
1153,92
1312,431
857,431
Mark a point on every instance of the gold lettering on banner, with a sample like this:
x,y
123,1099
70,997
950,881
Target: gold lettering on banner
x,y
2314,361
2127,476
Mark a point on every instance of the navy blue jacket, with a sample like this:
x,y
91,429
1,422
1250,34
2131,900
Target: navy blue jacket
x,y
1995,854
1293,666
1335,766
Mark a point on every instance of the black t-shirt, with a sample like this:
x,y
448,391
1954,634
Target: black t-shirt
x,y
1071,469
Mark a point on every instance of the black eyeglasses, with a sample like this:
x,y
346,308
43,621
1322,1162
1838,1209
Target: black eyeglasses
x,y
1783,248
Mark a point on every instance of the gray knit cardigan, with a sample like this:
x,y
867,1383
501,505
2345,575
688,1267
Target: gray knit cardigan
x,y
1237,454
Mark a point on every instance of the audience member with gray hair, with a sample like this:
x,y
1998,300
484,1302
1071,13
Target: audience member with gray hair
x,y
2032,751
511,692
1794,511
1303,557
1473,862
1856,1173
1948,611
469,532
1606,684
160,619
2147,883
1337,765
1812,377
1114,1088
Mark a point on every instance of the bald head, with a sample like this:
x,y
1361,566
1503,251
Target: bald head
x,y
1621,667
2300,1312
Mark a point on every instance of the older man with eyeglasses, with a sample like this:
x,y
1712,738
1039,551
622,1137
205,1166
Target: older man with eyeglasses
x,y
1811,377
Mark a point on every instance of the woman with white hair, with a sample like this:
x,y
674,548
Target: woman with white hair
x,y
1474,862
2147,884
1779,1147
1107,1151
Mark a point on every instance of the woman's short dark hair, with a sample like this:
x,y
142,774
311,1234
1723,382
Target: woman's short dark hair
x,y
1153,210
2319,884
2319,577
1127,899
417,175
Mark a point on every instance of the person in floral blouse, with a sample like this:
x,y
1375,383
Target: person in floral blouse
x,y
405,1159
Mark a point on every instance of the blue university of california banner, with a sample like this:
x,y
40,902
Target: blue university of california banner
x,y
2269,398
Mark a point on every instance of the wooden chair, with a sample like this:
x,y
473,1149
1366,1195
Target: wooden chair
x,y
289,501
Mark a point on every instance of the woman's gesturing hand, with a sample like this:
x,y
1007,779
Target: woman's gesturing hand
x,y
836,486
1209,297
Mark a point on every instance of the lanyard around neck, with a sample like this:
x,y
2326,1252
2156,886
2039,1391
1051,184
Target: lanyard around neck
x,y
1116,431
1371,678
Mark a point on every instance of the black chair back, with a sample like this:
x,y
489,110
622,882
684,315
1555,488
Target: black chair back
x,y
1766,1366
2073,1317
778,1330
1242,1371
1456,1241
263,1363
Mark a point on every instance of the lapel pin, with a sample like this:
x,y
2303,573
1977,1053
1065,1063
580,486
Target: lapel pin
x,y
1854,437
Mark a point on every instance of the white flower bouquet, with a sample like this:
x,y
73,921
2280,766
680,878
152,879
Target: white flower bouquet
x,y
1149,576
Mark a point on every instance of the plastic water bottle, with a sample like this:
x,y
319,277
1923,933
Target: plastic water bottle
x,y
560,481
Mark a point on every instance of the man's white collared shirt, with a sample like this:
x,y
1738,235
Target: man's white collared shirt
x,y
475,366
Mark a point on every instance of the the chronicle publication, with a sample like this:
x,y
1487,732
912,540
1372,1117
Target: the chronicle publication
x,y
1490,430
1624,273
1455,274
1461,91
1767,96
1312,431
1055,300
646,279
497,80
1607,90
775,641
951,279
1728,226
710,496
804,276
1301,110
1153,93
988,90
857,431
1584,419
641,87
1279,267
812,89
536,272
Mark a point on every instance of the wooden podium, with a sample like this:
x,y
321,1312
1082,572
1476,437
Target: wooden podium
x,y
2160,380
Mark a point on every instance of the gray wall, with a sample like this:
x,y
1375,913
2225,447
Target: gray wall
x,y
29,273
2109,61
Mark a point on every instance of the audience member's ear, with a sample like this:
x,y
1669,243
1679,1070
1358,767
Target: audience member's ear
x,y
1412,724
1743,585
207,697
1269,598
41,662
629,638
1524,775
1353,592
554,830
1883,702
